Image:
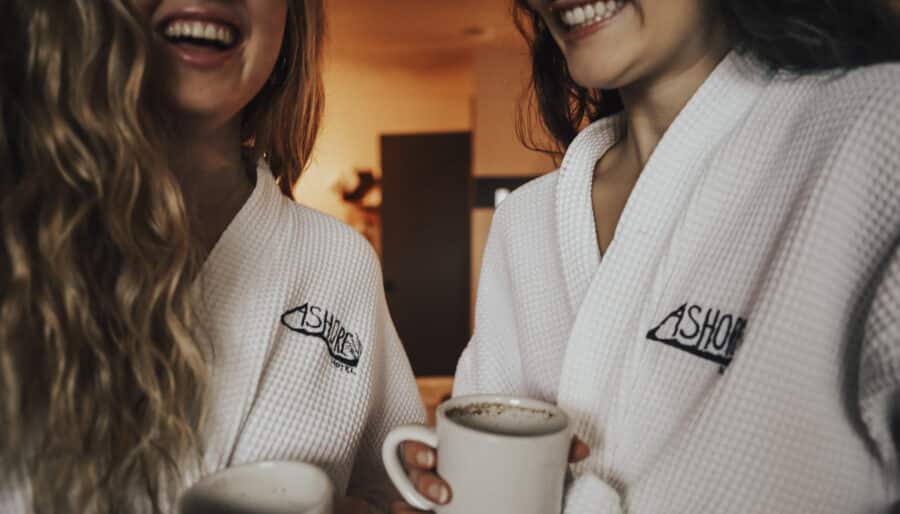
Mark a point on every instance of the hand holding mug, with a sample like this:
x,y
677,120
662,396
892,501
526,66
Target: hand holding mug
x,y
502,454
420,462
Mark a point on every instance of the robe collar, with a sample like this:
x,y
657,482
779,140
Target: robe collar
x,y
714,109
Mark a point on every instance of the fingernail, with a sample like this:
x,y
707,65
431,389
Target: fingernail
x,y
425,458
438,493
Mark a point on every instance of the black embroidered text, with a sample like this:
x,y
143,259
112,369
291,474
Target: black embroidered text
x,y
707,333
344,346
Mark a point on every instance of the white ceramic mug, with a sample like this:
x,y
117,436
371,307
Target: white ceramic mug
x,y
500,455
276,487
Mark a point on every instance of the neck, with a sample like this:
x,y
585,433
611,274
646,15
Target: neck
x,y
207,163
651,105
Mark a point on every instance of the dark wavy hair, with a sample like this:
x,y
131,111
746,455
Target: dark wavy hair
x,y
798,36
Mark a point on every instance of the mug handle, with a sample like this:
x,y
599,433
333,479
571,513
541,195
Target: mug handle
x,y
391,456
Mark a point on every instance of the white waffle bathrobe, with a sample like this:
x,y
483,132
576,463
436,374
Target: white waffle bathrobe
x,y
307,365
737,348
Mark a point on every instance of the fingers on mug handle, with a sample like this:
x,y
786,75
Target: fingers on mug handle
x,y
390,454
430,485
418,455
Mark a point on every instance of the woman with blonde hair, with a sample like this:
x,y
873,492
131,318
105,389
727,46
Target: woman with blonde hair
x,y
166,310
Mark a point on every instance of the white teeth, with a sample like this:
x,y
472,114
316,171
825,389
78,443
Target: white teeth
x,y
584,15
579,15
200,30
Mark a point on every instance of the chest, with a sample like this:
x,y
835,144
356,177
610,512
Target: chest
x,y
613,181
310,405
700,268
292,372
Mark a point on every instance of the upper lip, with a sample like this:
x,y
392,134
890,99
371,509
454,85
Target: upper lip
x,y
214,13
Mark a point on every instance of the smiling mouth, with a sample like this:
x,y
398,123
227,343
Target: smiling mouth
x,y
210,34
589,13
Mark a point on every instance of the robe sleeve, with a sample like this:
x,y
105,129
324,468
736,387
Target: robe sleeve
x,y
879,375
491,363
879,362
395,401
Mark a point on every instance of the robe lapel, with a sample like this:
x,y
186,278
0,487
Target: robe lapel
x,y
579,253
601,384
239,313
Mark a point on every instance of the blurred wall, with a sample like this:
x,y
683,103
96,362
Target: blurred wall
x,y
501,74
370,96
367,96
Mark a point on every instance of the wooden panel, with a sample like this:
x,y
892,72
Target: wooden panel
x,y
426,189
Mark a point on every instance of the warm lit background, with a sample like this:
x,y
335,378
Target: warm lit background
x,y
454,70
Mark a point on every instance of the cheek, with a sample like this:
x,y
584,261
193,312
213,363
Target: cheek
x,y
674,20
270,18
145,7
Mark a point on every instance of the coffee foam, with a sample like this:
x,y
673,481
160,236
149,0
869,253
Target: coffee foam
x,y
498,418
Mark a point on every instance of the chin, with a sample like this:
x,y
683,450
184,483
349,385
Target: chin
x,y
204,103
593,76
196,105
597,69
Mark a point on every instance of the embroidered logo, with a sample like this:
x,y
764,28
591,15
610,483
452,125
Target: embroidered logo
x,y
343,345
707,333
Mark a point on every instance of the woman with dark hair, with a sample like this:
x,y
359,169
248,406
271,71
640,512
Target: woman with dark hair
x,y
166,310
710,284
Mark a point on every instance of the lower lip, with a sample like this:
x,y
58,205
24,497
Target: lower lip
x,y
201,57
583,32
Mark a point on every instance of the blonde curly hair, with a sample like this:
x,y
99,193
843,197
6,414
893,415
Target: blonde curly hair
x,y
102,378
101,381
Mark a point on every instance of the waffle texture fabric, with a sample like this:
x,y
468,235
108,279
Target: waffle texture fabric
x,y
307,364
737,347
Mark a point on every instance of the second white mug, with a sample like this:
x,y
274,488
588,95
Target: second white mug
x,y
275,487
